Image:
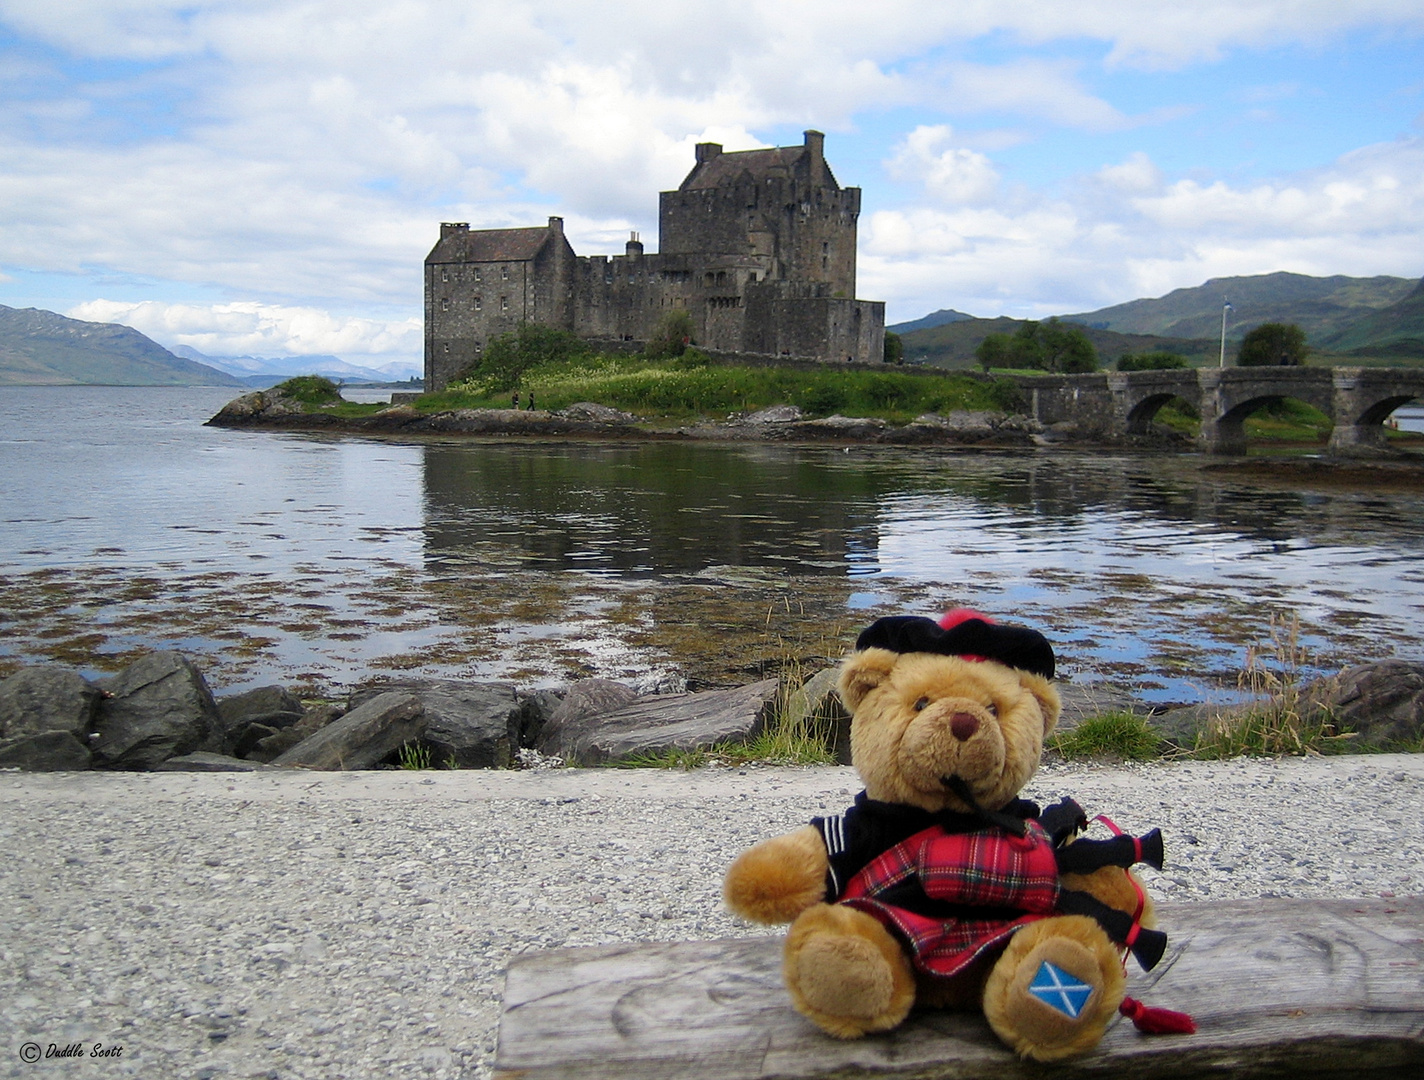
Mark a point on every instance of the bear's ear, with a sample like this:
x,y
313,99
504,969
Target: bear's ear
x,y
1047,696
862,672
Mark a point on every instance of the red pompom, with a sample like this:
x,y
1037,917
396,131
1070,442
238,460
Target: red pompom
x,y
1152,1021
950,619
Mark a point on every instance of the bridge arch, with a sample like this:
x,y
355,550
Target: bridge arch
x,y
1143,411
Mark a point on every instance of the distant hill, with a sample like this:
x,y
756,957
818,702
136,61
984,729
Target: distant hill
x,y
46,349
1395,331
1322,307
930,321
270,370
952,344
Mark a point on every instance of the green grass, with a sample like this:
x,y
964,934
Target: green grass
x,y
689,387
310,390
1121,735
414,756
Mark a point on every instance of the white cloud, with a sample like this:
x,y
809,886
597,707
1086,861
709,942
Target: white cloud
x,y
251,329
950,173
1126,233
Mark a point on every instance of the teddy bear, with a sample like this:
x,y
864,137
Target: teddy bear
x,y
940,886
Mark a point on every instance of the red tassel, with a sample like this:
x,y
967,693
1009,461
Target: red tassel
x,y
1152,1021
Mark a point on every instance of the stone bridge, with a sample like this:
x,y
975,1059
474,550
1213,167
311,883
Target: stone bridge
x,y
1116,404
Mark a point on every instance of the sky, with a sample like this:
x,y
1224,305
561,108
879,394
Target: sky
x,y
265,178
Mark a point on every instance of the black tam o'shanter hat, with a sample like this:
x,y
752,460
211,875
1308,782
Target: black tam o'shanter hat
x,y
962,633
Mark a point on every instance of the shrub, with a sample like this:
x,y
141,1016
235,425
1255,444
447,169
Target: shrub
x,y
1047,346
310,390
1150,361
674,335
509,356
894,348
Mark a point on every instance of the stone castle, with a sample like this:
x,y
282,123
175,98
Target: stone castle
x,y
758,246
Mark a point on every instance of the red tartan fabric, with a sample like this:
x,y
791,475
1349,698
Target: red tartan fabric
x,y
1016,877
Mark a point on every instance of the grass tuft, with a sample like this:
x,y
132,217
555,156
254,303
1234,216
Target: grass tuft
x,y
1122,735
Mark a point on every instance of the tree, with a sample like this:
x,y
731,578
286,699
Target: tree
x,y
1047,346
1273,345
509,356
894,348
674,334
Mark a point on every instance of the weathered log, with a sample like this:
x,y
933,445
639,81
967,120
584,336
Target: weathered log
x,y
1298,988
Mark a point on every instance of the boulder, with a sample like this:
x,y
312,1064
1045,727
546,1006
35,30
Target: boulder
x,y
255,714
1382,702
363,737
47,697
473,725
818,702
586,698
599,414
776,414
156,708
534,712
269,747
44,751
1084,700
658,723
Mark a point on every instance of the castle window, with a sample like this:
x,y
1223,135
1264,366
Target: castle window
x,y
444,303
504,303
504,273
476,276
444,273
478,304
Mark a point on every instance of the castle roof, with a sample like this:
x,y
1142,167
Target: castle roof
x,y
490,245
725,169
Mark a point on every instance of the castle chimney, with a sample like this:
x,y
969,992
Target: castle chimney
x,y
556,224
635,246
448,227
816,143
706,151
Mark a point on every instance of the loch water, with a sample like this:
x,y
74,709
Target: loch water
x,y
126,524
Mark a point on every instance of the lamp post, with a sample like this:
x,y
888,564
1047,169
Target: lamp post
x,y
1225,307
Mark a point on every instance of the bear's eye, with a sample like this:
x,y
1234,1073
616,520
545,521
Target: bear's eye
x,y
993,709
921,703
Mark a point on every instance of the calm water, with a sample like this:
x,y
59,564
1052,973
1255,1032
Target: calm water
x,y
125,524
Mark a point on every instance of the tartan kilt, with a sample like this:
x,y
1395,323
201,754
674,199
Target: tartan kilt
x,y
951,897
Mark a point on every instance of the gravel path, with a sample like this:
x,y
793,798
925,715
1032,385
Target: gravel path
x,y
355,925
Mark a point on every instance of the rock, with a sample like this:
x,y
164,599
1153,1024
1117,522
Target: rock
x,y
313,720
777,414
44,751
668,722
258,704
1382,702
363,737
586,698
156,708
475,725
600,414
818,701
1185,726
47,697
202,761
868,429
253,715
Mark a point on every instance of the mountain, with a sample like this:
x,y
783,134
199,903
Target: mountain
x,y
1395,331
930,321
952,344
254,369
1322,307
45,349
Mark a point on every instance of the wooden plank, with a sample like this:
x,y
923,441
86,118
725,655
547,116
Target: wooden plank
x,y
1279,988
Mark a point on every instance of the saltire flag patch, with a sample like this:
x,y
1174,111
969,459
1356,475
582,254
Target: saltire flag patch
x,y
1058,990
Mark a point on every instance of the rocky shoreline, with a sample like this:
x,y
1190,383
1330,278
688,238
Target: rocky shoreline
x,y
159,714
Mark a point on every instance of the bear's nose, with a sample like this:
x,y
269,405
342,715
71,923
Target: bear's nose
x,y
963,725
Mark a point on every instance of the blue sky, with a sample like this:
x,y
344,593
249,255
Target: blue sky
x,y
258,177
